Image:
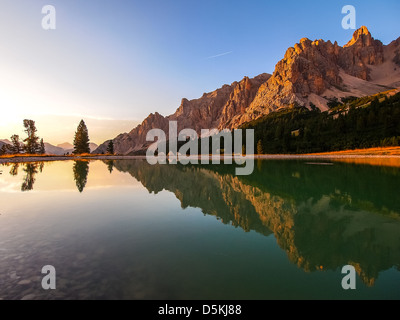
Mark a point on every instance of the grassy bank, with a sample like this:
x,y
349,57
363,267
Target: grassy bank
x,y
385,152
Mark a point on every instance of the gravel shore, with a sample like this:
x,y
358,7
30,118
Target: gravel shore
x,y
65,158
266,157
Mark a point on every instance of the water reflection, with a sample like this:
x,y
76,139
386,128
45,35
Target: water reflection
x,y
81,170
324,217
31,169
14,169
110,165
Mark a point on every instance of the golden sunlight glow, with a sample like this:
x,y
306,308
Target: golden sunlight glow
x,y
60,174
56,114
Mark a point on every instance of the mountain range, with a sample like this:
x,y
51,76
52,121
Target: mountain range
x,y
4,141
65,148
312,73
60,149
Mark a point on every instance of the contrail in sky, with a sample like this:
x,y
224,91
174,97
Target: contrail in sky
x,y
219,55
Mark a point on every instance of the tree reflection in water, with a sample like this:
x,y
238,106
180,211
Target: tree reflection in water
x,y
31,169
14,169
81,170
110,165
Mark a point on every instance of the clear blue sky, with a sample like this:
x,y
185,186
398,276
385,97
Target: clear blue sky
x,y
124,59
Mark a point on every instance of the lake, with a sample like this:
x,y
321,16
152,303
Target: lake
x,y
124,229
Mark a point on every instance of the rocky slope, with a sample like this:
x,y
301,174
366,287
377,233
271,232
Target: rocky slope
x,y
3,142
311,73
212,110
316,71
50,149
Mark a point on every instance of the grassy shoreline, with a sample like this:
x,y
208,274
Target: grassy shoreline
x,y
40,158
392,153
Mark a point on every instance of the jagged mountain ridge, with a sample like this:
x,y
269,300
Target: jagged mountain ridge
x,y
311,72
212,110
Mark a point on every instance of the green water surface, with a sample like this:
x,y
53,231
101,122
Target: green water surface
x,y
127,230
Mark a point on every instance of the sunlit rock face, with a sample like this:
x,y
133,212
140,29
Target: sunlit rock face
x,y
310,73
214,110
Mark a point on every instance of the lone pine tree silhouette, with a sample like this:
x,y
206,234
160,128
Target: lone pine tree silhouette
x,y
81,140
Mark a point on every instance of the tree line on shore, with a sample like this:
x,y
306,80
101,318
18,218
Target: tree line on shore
x,y
353,123
356,123
33,145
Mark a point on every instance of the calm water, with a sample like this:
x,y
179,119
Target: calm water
x,y
128,230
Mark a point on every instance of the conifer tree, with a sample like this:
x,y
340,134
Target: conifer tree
x,y
110,147
259,147
16,144
31,142
42,149
81,140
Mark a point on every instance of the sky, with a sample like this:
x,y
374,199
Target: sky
x,y
112,63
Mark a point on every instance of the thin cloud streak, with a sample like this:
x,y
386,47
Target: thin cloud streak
x,y
220,55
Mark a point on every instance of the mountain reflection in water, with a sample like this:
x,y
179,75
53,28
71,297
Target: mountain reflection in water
x,y
324,217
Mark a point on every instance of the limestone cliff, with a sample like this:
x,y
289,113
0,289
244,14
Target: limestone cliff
x,y
311,73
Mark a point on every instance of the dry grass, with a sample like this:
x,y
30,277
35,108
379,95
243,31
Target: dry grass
x,y
14,158
386,151
387,156
26,155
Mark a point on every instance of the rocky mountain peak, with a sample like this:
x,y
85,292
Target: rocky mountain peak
x,y
310,73
311,68
362,50
361,37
